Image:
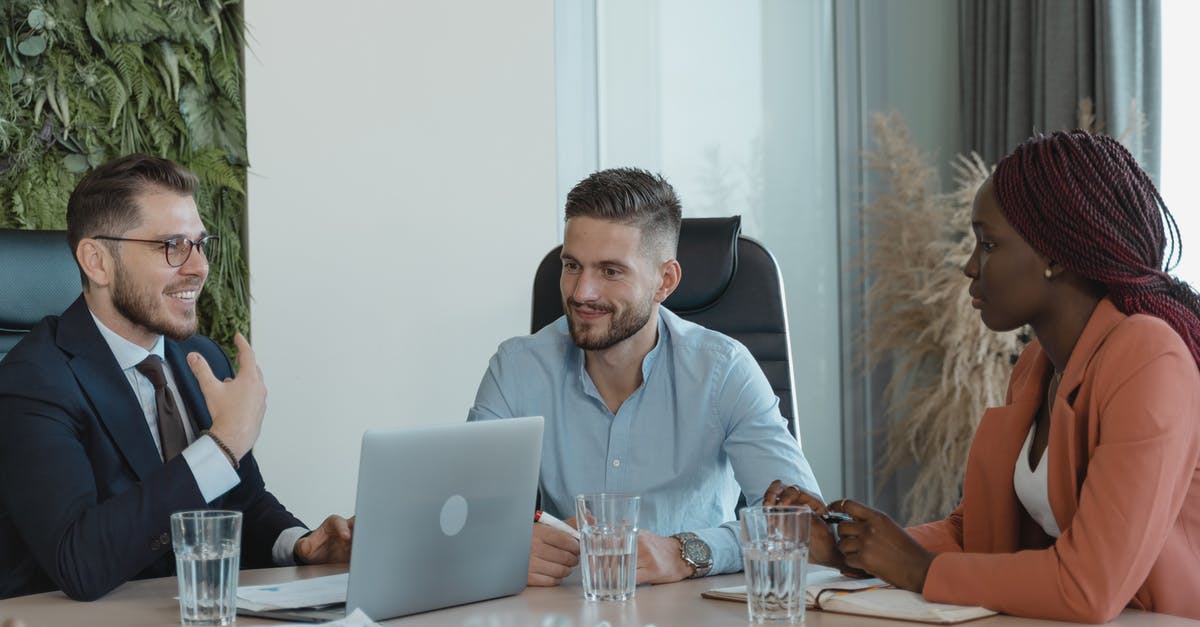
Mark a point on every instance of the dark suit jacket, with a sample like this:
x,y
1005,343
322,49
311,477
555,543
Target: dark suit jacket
x,y
85,499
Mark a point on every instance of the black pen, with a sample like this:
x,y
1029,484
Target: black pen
x,y
833,518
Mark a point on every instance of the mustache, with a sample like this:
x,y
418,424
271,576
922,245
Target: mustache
x,y
599,308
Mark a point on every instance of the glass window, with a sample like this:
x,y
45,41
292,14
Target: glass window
x,y
733,102
1181,128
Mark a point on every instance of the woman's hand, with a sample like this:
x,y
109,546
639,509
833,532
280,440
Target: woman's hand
x,y
821,541
876,544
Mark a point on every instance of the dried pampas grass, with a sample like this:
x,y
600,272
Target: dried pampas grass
x,y
947,367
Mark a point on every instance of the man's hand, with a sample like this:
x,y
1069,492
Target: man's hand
x,y
876,544
552,555
327,544
822,547
660,560
237,405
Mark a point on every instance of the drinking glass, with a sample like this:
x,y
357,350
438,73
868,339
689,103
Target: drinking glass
x,y
775,555
608,544
208,547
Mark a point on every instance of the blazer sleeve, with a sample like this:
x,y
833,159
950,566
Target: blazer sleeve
x,y
85,546
1136,481
941,536
263,516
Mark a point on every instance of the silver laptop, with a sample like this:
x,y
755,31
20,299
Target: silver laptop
x,y
444,516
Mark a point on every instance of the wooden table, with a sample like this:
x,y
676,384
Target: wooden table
x,y
151,602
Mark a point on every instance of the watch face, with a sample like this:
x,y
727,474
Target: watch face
x,y
698,552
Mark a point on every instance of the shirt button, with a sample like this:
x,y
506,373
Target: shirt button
x,y
164,539
616,463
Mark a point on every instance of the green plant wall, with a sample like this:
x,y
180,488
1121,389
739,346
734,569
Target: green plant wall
x,y
87,81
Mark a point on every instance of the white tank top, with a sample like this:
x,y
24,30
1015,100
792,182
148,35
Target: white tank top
x,y
1033,487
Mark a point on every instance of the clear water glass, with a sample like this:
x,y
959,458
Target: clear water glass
x,y
775,557
208,551
608,545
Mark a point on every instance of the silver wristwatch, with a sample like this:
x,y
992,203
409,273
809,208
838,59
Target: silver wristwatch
x,y
695,552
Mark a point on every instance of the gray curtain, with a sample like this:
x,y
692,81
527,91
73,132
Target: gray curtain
x,y
1026,64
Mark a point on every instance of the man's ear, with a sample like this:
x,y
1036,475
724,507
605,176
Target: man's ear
x,y
96,262
671,274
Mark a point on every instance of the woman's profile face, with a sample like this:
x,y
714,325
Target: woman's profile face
x,y
1008,284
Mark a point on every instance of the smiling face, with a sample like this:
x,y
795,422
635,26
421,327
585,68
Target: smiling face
x,y
1008,284
609,285
150,296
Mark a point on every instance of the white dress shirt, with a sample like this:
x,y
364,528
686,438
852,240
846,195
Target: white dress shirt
x,y
1033,487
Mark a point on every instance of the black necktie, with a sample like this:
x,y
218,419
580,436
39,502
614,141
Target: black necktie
x,y
170,423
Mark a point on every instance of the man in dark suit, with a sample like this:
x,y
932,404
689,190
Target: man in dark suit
x,y
115,414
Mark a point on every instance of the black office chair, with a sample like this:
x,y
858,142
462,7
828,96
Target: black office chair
x,y
38,278
730,284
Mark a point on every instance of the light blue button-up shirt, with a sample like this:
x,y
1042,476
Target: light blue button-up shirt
x,y
703,427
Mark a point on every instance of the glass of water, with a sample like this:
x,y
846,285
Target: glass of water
x,y
775,555
608,544
208,547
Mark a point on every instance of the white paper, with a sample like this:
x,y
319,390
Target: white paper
x,y
355,619
313,592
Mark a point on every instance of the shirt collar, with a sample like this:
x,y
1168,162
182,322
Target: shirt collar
x,y
647,362
127,353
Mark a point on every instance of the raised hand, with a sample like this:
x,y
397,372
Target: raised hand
x,y
237,405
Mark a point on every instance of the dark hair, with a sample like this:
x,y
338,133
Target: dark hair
x,y
631,196
103,201
1082,200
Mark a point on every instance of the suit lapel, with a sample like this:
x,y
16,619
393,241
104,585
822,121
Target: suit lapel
x,y
189,387
104,384
1067,450
994,526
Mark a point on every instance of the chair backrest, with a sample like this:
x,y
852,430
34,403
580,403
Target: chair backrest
x,y
730,284
38,278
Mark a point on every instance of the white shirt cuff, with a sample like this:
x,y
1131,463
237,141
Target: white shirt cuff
x,y
211,468
284,551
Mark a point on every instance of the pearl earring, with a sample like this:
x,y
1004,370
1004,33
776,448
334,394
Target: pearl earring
x,y
1048,273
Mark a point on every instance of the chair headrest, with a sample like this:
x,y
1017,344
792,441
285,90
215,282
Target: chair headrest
x,y
38,277
708,256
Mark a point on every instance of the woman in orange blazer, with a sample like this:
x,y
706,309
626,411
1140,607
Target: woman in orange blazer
x,y
1082,493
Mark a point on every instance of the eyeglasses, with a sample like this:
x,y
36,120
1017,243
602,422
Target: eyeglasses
x,y
177,249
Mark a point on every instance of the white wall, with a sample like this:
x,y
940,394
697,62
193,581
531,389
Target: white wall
x,y
402,192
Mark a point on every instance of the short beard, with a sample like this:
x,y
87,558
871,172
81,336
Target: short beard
x,y
620,328
138,308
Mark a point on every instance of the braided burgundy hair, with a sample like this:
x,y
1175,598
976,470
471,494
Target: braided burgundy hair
x,y
1082,200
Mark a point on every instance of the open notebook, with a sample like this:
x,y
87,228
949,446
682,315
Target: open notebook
x,y
828,590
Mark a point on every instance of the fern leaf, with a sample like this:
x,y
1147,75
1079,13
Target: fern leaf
x,y
115,93
214,169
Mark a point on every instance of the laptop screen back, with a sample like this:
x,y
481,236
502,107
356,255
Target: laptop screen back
x,y
444,515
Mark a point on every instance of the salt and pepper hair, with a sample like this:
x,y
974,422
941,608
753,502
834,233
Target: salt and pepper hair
x,y
634,197
1082,200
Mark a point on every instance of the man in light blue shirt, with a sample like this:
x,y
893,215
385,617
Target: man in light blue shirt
x,y
637,399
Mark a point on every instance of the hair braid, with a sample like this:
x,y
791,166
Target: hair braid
x,y
1083,201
